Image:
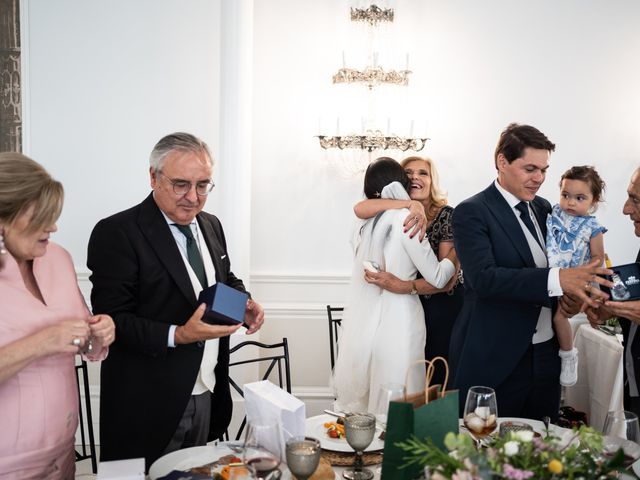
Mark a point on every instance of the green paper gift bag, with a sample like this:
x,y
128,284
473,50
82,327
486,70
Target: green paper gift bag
x,y
429,414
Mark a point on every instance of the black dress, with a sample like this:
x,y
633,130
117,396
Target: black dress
x,y
441,309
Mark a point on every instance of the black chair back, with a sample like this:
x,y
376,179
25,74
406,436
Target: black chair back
x,y
87,450
335,321
276,364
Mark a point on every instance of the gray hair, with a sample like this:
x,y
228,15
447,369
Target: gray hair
x,y
176,141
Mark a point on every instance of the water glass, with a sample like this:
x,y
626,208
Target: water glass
x,y
359,429
623,424
303,456
387,392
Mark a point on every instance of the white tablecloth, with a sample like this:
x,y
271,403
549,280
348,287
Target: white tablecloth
x,y
600,380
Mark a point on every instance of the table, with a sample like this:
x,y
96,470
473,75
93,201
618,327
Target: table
x,y
600,379
191,457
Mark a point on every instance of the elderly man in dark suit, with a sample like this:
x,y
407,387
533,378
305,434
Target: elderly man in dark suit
x,y
503,337
164,385
627,312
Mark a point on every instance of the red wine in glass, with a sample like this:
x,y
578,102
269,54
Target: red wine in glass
x,y
263,465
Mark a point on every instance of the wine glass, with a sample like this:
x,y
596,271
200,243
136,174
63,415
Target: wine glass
x,y
359,429
480,412
623,424
387,392
263,447
303,456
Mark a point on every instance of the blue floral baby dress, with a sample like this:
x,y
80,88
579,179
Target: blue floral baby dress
x,y
568,238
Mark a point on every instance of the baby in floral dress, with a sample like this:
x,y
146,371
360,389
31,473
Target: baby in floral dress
x,y
574,238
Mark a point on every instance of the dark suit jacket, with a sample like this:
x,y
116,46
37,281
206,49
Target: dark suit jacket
x,y
139,278
504,290
625,324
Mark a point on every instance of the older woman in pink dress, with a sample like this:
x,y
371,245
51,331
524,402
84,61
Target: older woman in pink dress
x,y
44,322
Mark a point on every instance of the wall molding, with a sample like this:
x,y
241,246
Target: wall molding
x,y
270,278
299,279
275,291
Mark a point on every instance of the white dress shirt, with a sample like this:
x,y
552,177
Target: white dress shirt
x,y
206,379
544,329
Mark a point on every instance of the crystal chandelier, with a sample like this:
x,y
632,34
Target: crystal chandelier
x,y
371,138
372,15
372,76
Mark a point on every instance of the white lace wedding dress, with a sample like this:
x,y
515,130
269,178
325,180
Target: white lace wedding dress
x,y
383,333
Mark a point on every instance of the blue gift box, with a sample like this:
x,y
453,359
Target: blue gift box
x,y
225,305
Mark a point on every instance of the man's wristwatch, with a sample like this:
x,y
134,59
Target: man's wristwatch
x,y
414,290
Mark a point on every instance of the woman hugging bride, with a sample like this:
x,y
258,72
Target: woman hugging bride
x,y
383,333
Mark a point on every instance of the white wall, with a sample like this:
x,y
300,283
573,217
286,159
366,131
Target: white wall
x,y
108,78
570,68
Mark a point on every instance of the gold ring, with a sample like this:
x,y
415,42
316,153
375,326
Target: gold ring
x,y
76,342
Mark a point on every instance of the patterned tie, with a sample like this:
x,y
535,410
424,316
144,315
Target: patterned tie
x,y
193,254
523,208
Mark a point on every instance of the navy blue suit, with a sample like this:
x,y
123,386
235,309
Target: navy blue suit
x,y
504,292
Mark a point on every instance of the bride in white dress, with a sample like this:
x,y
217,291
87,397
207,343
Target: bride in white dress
x,y
383,333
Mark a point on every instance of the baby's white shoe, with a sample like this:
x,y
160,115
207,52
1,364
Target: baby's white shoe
x,y
569,367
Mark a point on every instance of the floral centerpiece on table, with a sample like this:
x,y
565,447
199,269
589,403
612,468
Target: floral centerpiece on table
x,y
518,456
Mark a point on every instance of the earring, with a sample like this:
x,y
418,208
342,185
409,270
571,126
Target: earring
x,y
377,194
3,250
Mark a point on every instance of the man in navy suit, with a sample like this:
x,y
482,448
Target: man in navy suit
x,y
503,337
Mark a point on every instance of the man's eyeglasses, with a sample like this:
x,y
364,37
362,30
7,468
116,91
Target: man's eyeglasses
x,y
182,187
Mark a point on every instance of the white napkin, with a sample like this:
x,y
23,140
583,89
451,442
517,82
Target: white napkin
x,y
267,402
132,469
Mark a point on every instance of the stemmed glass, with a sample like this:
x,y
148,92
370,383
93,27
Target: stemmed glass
x,y
481,412
623,424
621,430
263,447
303,456
359,430
388,392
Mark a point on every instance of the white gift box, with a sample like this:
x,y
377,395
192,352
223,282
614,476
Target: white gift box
x,y
266,402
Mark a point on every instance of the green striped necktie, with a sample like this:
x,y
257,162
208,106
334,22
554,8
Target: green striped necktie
x,y
193,254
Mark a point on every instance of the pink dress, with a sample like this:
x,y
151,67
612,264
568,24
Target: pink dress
x,y
39,405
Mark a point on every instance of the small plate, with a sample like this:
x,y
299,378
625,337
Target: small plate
x,y
196,456
315,428
187,458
